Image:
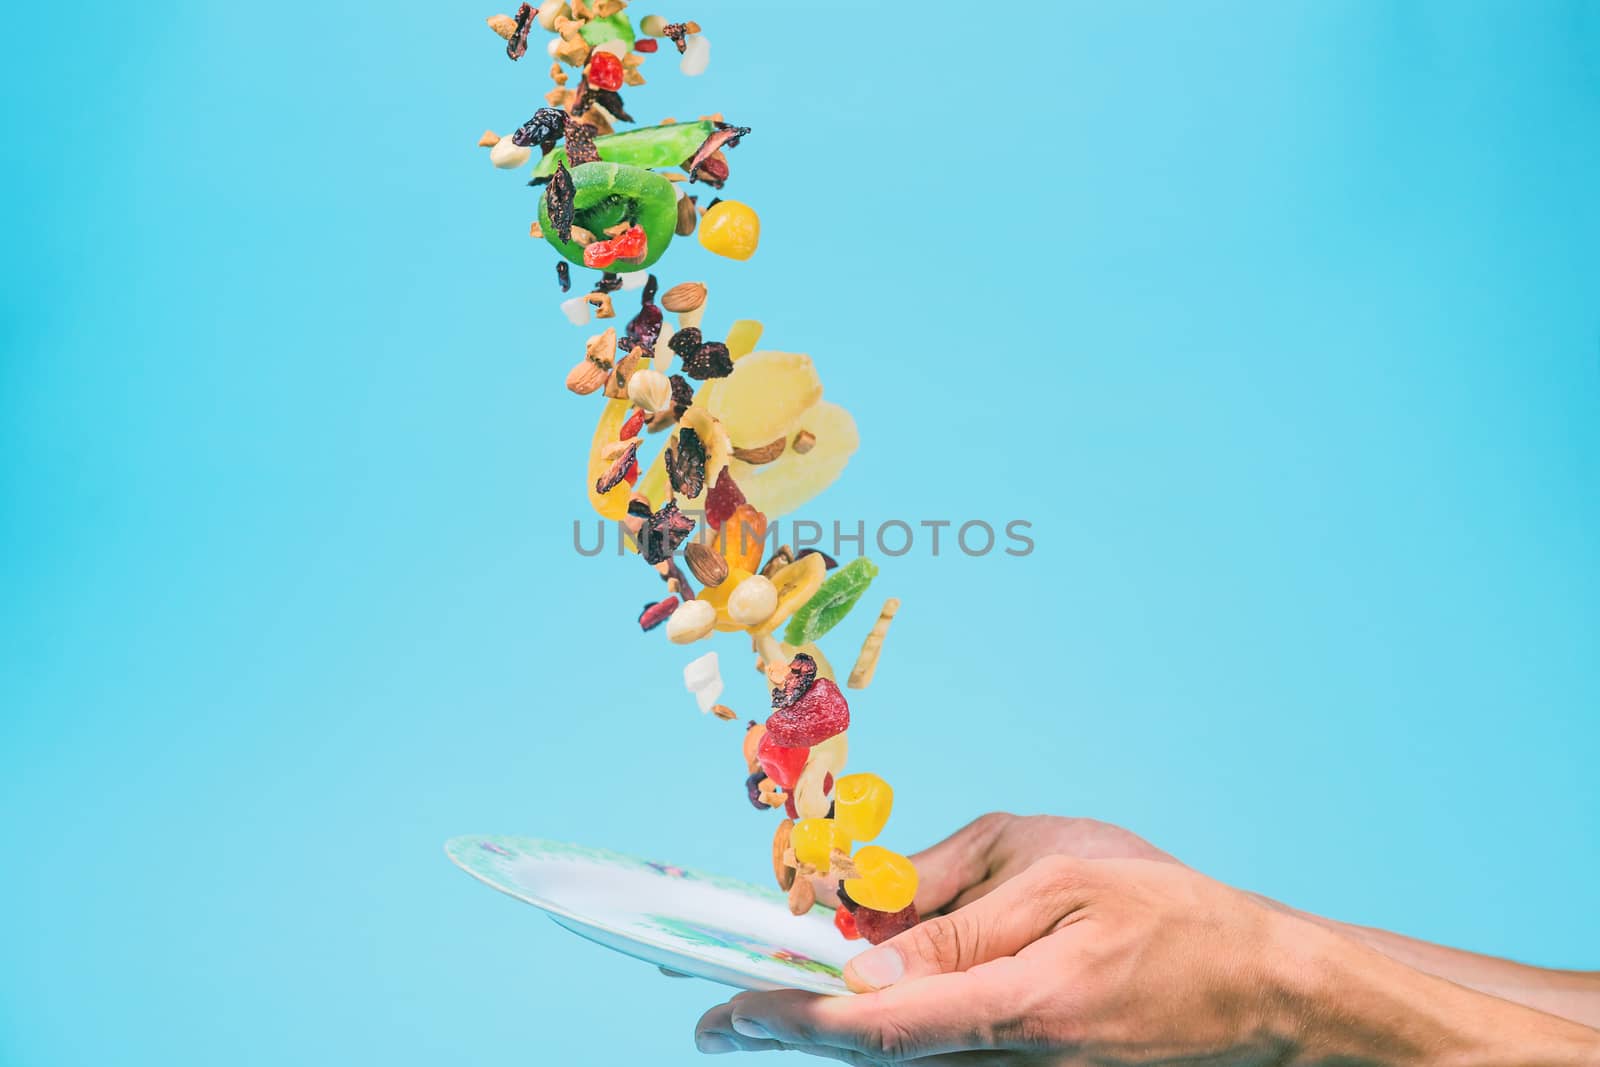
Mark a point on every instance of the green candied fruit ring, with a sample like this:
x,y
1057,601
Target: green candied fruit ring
x,y
831,602
605,194
614,27
649,146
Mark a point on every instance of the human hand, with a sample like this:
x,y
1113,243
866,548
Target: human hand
x,y
1131,961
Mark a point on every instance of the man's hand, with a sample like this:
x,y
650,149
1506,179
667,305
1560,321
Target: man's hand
x,y
1132,961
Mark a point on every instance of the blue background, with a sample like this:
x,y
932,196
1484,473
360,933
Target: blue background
x,y
1278,321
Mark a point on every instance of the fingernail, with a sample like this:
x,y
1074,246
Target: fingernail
x,y
714,1044
879,967
750,1028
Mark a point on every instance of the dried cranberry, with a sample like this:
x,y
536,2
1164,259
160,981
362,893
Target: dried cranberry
x,y
879,926
818,715
648,295
632,427
724,498
655,614
645,328
608,283
605,70
796,684
724,136
827,786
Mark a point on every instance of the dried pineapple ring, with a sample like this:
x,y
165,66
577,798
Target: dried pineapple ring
x,y
782,486
835,750
612,505
797,583
766,397
743,336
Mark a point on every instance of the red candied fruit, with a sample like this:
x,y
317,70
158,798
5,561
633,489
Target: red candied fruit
x,y
820,714
632,427
655,614
630,243
599,255
880,926
783,765
644,44
605,71
723,500
845,923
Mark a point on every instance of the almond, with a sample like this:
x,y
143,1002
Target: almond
x,y
586,377
685,296
780,845
706,564
765,454
802,895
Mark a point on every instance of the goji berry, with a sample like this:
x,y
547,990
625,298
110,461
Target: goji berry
x,y
605,71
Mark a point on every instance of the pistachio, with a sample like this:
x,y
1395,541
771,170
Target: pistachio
x,y
764,454
651,391
706,564
804,441
685,296
692,620
780,845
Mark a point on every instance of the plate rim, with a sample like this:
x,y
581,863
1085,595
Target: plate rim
x,y
553,909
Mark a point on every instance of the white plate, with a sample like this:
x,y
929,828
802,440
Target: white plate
x,y
700,924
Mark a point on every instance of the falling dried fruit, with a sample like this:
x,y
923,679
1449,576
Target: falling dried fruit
x,y
686,463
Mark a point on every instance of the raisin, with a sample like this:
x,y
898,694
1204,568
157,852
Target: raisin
x,y
797,683
663,532
608,283
649,294
752,787
710,360
558,201
617,473
517,43
686,464
611,100
682,397
564,275
547,124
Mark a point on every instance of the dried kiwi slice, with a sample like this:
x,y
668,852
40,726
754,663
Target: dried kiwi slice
x,y
607,194
832,602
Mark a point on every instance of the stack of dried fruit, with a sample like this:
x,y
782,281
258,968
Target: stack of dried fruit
x,y
752,441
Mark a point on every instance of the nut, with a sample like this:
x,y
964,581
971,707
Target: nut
x,y
781,558
508,155
489,139
601,302
557,75
804,441
504,25
551,10
685,296
687,215
706,564
764,454
721,711
753,601
842,866
802,895
661,420
617,448
535,230
650,390
582,237
752,741
601,349
693,620
780,845
585,378
617,386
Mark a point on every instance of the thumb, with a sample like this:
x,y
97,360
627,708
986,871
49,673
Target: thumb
x,y
1002,923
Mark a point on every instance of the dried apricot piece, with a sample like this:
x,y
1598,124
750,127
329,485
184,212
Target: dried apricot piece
x,y
742,538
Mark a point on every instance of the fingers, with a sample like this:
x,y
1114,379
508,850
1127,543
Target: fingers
x,y
947,1013
956,863
1002,923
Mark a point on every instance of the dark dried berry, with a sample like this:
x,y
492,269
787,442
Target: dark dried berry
x,y
657,613
564,275
644,329
611,100
608,283
685,341
517,43
618,471
724,136
639,509
682,395
724,498
547,124
752,788
686,463
710,360
558,201
845,901
797,683
580,143
828,562
676,31
879,926
713,170
663,532
649,294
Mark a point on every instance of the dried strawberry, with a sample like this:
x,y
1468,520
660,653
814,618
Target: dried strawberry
x,y
724,498
710,360
558,201
783,765
879,926
655,614
632,427
827,787
818,715
663,532
618,471
517,43
682,397
845,923
686,463
797,683
605,70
